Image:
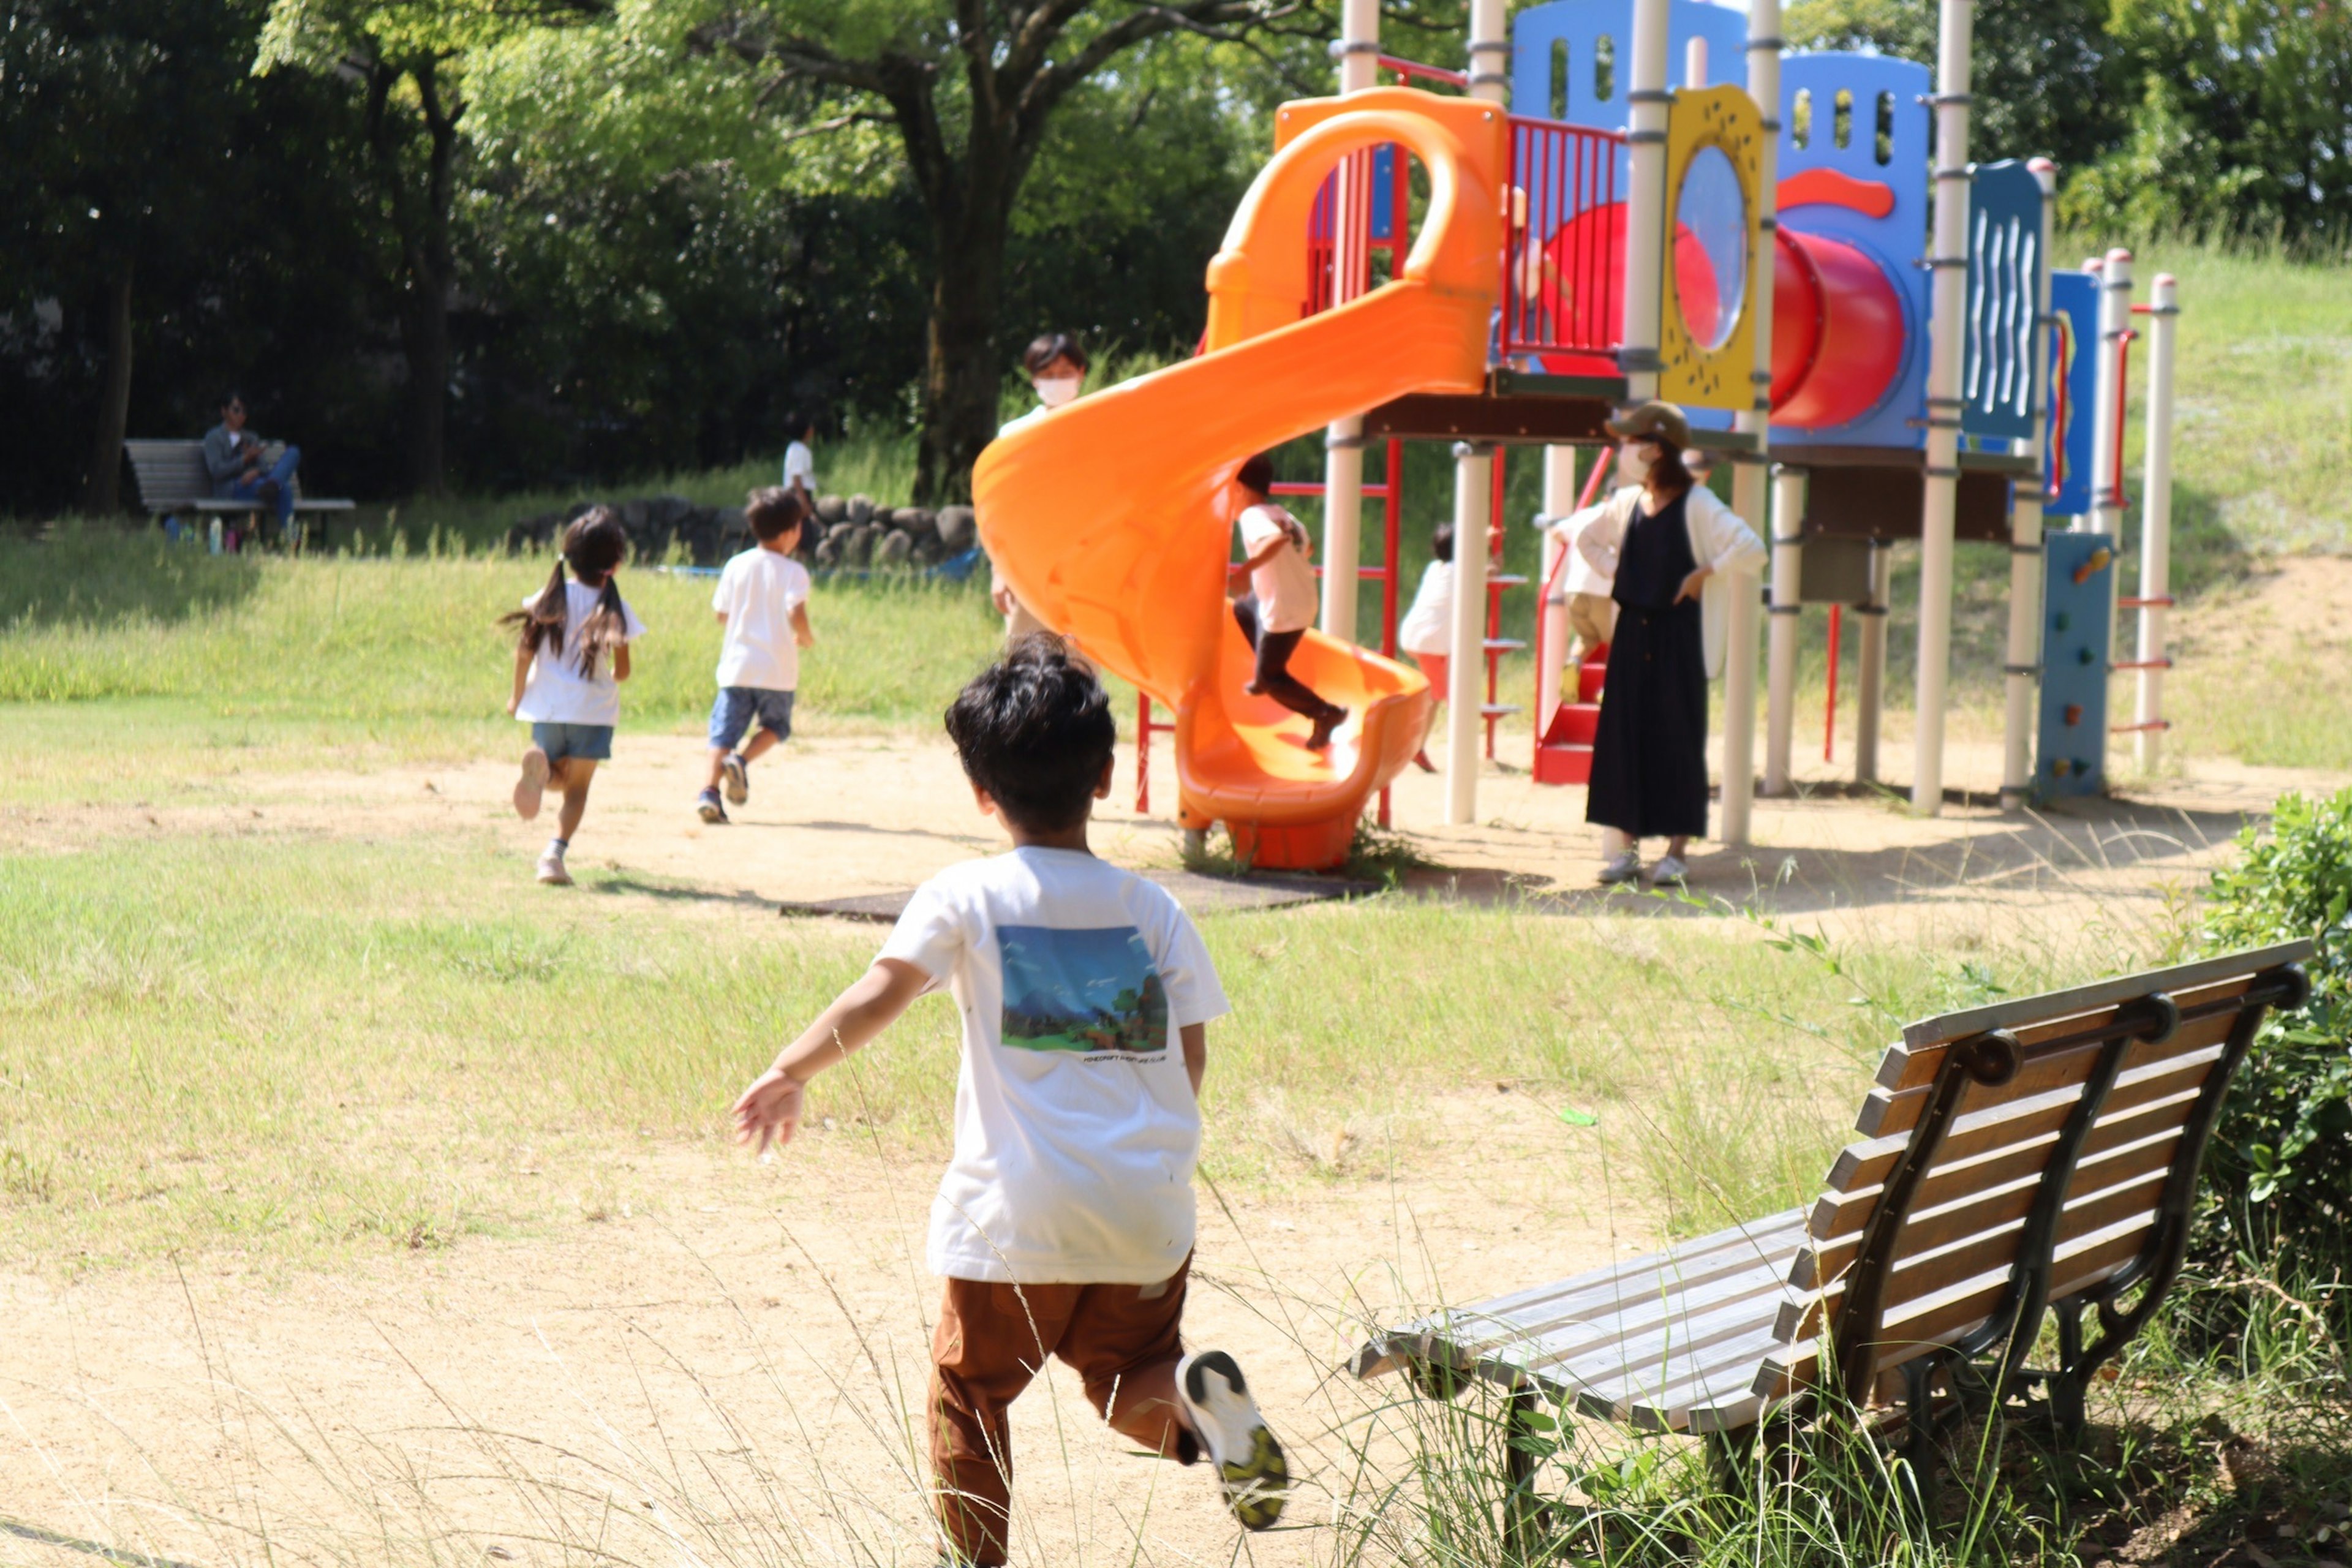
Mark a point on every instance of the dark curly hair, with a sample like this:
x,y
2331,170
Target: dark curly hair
x,y
1034,730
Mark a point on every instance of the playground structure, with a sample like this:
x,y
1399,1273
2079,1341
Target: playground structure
x,y
1906,366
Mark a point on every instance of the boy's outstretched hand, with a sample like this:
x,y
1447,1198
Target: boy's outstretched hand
x,y
769,1110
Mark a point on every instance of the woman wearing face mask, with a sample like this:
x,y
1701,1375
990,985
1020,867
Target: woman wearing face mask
x,y
1674,553
1057,368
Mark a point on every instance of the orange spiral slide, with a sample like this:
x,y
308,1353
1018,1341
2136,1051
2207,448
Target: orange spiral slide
x,y
1111,516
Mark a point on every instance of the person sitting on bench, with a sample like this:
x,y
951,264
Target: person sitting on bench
x,y
234,457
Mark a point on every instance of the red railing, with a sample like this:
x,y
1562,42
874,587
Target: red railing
x,y
1563,262
1565,259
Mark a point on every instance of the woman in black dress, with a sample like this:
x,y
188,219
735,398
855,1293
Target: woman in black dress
x,y
1649,757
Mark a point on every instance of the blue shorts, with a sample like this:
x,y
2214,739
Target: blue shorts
x,y
737,706
588,742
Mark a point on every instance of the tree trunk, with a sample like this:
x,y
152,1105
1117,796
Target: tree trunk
x,y
961,378
425,344
103,496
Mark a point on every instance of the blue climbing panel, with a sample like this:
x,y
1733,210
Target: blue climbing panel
x,y
2077,612
1563,53
2004,268
2074,366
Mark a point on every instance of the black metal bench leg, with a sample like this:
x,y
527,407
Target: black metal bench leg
x,y
1523,1516
1919,1433
2067,1389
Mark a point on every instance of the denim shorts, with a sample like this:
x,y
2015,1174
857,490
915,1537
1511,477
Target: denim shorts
x,y
588,742
737,706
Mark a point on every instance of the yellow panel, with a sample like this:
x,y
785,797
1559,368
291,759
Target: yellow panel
x,y
1690,373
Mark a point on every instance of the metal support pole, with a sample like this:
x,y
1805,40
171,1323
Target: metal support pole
x,y
1358,51
1490,50
1751,472
1551,616
1646,97
1787,534
1694,62
2156,520
1870,665
2106,513
1465,670
1956,27
2025,534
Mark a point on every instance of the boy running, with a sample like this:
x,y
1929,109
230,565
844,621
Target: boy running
x,y
1064,1226
763,601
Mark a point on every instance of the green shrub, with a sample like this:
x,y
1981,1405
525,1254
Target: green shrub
x,y
2280,1169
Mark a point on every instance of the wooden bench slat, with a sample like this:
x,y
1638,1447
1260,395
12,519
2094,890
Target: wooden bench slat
x,y
2106,992
1913,1066
1649,1342
1663,1404
1888,1111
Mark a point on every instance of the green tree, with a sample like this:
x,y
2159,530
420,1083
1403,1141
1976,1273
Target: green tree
x,y
969,90
408,61
2243,121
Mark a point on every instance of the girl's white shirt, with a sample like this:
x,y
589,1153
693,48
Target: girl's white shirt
x,y
555,692
1719,538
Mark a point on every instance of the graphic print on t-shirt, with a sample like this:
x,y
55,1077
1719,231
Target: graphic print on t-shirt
x,y
1090,991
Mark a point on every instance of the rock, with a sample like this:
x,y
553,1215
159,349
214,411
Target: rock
x,y
927,550
634,517
838,534
828,554
830,510
861,509
959,528
917,520
669,510
894,549
857,545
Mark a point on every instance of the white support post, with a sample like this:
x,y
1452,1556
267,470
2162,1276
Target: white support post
x,y
1694,62
1559,501
1465,671
1752,471
2025,534
1646,97
1870,679
2106,513
1786,531
1949,260
2156,520
1490,50
1358,51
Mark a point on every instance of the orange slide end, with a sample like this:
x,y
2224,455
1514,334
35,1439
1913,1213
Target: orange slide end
x,y
1111,516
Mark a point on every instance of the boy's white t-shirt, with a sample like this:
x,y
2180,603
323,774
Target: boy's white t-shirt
x,y
555,692
1075,1128
757,593
1428,626
800,463
1287,597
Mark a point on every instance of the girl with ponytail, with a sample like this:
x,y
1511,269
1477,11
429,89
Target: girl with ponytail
x,y
572,651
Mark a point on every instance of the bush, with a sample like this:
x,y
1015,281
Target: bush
x,y
2281,1164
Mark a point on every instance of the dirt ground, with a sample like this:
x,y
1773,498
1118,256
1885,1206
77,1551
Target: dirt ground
x,y
734,1377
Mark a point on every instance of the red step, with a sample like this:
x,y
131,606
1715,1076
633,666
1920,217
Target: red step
x,y
1563,764
1590,676
1573,724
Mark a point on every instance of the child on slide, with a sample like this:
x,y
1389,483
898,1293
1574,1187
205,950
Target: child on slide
x,y
564,685
1064,1226
1427,630
763,601
1282,601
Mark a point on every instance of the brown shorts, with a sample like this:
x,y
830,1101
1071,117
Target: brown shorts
x,y
1122,1341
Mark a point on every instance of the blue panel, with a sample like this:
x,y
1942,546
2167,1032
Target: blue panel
x,y
1897,242
2074,361
1384,190
2075,616
2004,264
1581,24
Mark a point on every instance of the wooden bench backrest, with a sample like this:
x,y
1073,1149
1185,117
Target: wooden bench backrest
x,y
2017,1155
170,473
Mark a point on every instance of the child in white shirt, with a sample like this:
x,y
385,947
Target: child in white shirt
x,y
1427,630
800,463
1282,601
1065,1223
763,601
563,686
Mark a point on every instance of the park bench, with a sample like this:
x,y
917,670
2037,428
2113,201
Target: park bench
x,y
172,479
2028,1158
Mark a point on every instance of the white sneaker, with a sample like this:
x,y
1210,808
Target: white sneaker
x,y
739,779
532,786
1626,868
1249,1462
1669,872
551,868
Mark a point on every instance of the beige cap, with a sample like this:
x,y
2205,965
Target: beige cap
x,y
1652,421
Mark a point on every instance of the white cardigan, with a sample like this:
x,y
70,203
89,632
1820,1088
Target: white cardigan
x,y
1717,539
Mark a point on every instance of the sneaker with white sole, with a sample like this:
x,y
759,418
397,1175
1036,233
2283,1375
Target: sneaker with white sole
x,y
1670,872
1250,1466
533,786
551,868
706,806
739,778
1626,868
